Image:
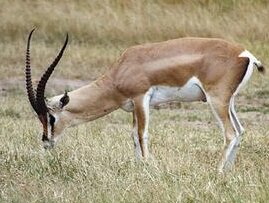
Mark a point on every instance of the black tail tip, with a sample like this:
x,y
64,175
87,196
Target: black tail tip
x,y
260,68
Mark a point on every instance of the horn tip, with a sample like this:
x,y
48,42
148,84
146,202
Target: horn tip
x,y
67,37
30,35
34,28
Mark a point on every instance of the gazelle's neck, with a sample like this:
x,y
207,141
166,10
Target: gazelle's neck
x,y
93,101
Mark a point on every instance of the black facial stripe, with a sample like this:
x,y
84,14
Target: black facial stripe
x,y
52,121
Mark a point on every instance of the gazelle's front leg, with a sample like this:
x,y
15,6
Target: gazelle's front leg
x,y
140,124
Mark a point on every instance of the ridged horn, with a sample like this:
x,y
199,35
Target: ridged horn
x,y
40,101
28,76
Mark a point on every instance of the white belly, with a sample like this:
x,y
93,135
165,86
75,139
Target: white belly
x,y
191,91
188,93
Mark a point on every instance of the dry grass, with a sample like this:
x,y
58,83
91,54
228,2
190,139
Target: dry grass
x,y
101,30
95,162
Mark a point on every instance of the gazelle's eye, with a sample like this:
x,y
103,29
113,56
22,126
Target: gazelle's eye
x,y
52,120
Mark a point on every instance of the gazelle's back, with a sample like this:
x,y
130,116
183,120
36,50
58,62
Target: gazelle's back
x,y
174,62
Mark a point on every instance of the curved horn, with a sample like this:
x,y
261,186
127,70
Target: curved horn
x,y
28,77
40,101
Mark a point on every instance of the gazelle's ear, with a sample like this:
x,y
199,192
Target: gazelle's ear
x,y
64,100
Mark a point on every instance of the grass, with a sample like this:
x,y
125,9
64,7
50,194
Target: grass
x,y
95,162
101,30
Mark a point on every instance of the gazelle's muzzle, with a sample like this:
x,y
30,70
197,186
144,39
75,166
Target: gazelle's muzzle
x,y
48,144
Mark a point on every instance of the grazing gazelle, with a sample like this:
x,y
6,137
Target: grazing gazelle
x,y
183,70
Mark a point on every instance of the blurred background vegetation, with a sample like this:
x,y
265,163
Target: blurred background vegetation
x,y
101,30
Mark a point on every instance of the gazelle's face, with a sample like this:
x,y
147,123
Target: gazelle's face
x,y
54,122
52,129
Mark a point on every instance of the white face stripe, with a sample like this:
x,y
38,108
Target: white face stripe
x,y
49,135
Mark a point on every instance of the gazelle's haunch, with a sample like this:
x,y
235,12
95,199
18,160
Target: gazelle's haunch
x,y
184,70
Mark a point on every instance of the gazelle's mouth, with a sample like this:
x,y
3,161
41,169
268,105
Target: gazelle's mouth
x,y
48,144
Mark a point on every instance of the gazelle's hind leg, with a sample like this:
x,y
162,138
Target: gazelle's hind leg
x,y
231,129
233,115
140,124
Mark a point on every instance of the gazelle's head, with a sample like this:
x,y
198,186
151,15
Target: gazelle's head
x,y
49,116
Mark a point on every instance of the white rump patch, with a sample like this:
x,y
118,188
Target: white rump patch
x,y
252,60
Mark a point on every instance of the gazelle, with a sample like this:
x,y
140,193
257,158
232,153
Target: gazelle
x,y
184,70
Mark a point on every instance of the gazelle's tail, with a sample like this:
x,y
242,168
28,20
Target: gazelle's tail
x,y
259,66
253,60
